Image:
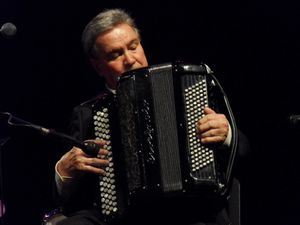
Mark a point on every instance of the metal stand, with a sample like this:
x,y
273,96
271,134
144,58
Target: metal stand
x,y
3,141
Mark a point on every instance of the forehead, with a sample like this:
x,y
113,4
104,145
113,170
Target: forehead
x,y
117,37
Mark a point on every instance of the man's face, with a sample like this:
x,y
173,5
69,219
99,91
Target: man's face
x,y
119,51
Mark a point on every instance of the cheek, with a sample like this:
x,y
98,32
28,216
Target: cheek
x,y
115,68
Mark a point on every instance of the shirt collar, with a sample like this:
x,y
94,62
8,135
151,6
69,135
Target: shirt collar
x,y
110,90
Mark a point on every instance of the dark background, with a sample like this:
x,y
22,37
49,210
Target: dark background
x,y
253,47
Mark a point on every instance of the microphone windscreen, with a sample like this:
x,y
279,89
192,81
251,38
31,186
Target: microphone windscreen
x,y
8,30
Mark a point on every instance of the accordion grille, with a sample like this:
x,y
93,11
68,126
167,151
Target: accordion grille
x,y
108,192
166,127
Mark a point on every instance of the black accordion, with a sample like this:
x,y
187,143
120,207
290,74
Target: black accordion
x,y
150,129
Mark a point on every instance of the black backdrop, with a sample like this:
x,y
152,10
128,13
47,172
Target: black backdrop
x,y
253,47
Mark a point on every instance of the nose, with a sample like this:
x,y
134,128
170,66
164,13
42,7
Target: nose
x,y
129,59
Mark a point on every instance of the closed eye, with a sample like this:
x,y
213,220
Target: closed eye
x,y
133,44
113,55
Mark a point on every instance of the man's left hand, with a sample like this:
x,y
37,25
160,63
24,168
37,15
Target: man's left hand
x,y
213,128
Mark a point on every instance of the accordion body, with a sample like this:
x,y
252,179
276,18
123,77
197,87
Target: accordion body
x,y
150,129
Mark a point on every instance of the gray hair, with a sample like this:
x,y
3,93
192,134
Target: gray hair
x,y
104,21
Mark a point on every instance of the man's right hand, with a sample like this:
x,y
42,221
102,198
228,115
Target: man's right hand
x,y
76,162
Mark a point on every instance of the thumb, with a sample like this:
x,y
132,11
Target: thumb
x,y
208,110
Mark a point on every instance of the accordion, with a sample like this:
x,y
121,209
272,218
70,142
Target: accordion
x,y
150,129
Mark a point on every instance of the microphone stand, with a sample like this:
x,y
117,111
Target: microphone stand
x,y
7,30
3,141
89,147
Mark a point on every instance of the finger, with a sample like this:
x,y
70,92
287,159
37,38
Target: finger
x,y
212,140
222,132
208,115
93,169
103,152
220,120
100,142
212,128
94,165
208,110
100,163
213,136
203,127
76,151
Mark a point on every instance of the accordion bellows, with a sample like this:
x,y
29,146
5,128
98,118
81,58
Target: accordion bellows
x,y
150,129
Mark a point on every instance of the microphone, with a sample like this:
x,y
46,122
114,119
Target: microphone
x,y
8,30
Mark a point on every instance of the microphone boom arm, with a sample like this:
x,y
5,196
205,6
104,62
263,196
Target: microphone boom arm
x,y
89,147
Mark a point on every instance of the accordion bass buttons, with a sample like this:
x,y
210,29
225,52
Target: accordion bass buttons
x,y
108,193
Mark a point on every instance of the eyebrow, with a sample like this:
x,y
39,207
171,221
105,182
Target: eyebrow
x,y
136,40
133,41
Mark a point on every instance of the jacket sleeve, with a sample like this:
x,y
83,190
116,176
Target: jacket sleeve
x,y
83,193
